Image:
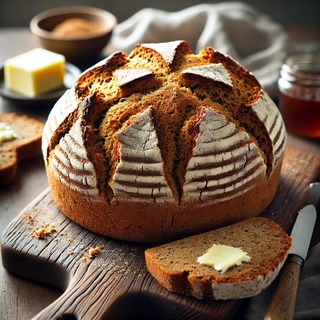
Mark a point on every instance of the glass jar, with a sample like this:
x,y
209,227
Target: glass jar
x,y
299,100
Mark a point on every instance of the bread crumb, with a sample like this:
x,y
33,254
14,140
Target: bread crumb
x,y
30,219
94,251
91,253
44,231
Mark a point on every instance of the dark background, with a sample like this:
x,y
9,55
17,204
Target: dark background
x,y
18,13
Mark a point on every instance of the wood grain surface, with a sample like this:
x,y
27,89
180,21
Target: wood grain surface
x,y
115,284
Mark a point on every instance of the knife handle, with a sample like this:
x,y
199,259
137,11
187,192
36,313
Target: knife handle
x,y
283,301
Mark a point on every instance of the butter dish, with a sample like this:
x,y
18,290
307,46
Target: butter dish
x,y
71,73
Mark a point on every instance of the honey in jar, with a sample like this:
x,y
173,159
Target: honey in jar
x,y
299,100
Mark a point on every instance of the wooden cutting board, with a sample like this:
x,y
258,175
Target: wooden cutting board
x,y
114,284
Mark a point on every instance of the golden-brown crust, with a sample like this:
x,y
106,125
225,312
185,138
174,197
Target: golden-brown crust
x,y
164,143
159,223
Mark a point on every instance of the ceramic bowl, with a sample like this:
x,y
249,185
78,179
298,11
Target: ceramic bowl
x,y
77,49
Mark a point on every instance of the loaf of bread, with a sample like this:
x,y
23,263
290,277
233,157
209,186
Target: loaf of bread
x,y
175,265
25,144
163,143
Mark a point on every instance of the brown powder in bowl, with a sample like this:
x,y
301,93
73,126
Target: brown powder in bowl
x,y
77,28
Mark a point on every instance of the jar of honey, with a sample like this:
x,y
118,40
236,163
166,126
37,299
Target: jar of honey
x,y
299,100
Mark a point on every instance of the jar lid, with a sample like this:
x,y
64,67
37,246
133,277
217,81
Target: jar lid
x,y
303,69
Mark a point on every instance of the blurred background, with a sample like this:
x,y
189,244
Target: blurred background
x,y
303,13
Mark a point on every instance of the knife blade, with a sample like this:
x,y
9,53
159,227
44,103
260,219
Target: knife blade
x,y
283,301
314,193
302,231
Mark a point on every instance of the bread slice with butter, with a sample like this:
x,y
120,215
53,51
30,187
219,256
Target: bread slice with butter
x,y
21,141
175,265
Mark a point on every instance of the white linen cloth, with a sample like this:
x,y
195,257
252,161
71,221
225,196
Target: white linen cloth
x,y
233,28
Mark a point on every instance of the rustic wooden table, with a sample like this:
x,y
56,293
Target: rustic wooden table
x,y
20,298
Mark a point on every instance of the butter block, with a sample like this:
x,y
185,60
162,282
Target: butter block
x,y
34,72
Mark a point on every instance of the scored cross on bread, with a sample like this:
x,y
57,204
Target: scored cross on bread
x,y
163,143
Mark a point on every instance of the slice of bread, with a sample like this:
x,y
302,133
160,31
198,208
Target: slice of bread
x,y
175,264
26,145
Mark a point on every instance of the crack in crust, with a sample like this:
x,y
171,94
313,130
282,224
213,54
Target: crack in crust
x,y
213,130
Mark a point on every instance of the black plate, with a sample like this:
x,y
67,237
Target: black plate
x,y
71,73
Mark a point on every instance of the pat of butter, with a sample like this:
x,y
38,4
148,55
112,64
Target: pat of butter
x,y
6,133
222,257
34,72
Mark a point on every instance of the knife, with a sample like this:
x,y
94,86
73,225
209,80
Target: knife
x,y
314,193
283,301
